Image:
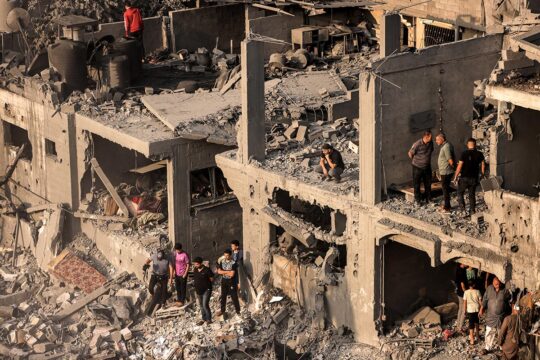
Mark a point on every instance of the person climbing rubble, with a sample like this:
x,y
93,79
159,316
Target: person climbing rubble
x,y
133,22
331,164
470,164
162,270
203,277
493,306
180,261
227,268
420,155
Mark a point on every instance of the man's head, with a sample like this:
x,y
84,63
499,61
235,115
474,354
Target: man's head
x,y
197,262
471,144
227,254
472,284
440,139
178,247
463,266
496,283
426,137
129,3
235,245
327,149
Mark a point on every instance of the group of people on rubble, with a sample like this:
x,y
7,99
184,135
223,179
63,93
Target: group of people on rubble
x,y
173,271
485,296
464,173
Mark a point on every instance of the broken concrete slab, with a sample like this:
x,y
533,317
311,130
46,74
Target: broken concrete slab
x,y
425,315
49,237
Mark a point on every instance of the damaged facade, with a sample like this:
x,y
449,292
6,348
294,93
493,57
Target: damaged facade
x,y
217,136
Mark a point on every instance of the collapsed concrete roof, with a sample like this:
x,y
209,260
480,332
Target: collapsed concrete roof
x,y
213,116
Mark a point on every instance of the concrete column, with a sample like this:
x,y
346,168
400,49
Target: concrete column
x,y
178,196
370,139
390,34
251,135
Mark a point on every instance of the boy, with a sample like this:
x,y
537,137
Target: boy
x,y
472,300
227,269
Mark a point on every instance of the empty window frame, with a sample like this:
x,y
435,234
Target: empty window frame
x,y
208,185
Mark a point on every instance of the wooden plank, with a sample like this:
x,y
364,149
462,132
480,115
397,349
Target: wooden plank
x,y
83,215
151,167
117,199
270,8
41,207
229,84
90,297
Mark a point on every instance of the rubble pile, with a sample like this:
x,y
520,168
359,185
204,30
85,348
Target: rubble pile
x,y
145,200
295,148
448,222
276,326
45,321
43,31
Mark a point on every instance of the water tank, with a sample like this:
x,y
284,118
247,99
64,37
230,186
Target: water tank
x,y
5,7
119,76
69,59
133,50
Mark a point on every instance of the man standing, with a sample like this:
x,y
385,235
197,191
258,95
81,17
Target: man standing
x,y
162,271
181,266
509,335
446,168
203,278
420,154
331,164
133,22
469,164
227,268
494,301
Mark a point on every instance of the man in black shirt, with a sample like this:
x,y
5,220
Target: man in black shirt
x,y
203,278
471,162
227,268
331,164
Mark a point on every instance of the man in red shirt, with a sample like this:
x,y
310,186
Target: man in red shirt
x,y
133,22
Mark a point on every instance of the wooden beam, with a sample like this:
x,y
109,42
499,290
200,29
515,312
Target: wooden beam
x,y
83,215
117,199
270,8
4,179
230,83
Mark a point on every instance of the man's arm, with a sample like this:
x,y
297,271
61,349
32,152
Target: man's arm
x,y
458,170
185,274
330,163
171,273
464,305
484,303
127,23
321,163
412,151
483,168
503,331
448,154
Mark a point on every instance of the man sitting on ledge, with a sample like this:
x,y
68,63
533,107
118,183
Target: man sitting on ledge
x,y
331,164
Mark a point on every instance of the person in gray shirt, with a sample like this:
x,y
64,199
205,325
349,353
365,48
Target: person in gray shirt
x,y
446,164
494,305
162,272
420,154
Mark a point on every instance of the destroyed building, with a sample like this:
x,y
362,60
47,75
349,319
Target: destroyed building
x,y
215,139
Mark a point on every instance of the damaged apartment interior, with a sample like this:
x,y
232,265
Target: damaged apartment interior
x,y
207,129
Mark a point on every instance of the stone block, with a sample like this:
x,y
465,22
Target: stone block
x,y
126,334
301,133
425,315
41,348
447,311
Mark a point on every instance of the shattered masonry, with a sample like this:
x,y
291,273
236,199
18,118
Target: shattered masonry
x,y
216,137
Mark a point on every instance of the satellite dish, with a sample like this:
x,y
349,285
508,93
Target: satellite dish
x,y
18,19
